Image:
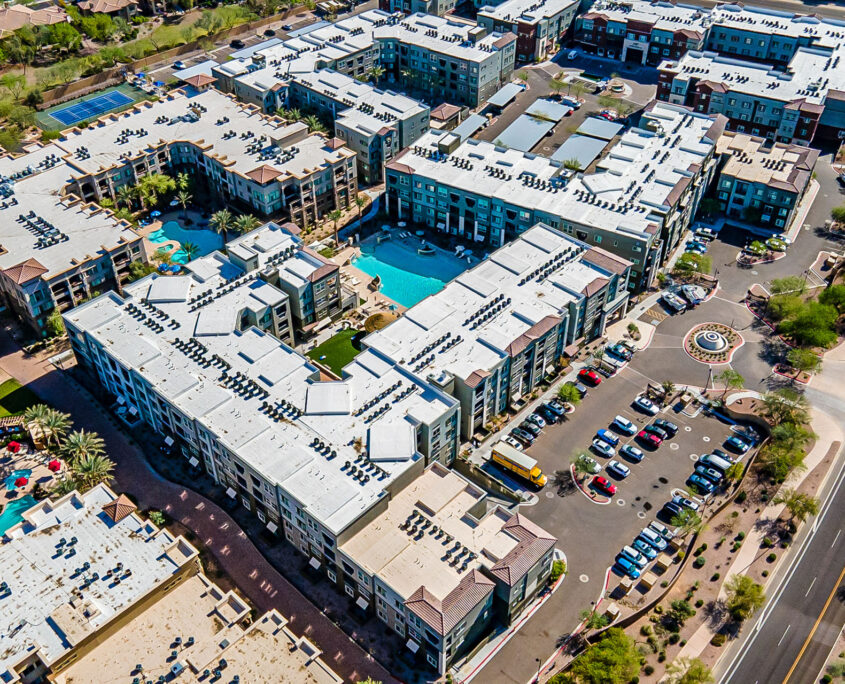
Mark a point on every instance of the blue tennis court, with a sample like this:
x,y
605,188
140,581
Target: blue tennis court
x,y
89,109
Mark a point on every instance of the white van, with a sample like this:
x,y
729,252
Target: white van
x,y
716,462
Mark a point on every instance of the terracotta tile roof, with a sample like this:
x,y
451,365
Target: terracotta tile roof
x,y
606,260
335,143
506,39
326,269
264,174
476,377
25,271
534,543
200,80
444,112
442,616
594,286
17,16
398,166
106,6
120,508
534,332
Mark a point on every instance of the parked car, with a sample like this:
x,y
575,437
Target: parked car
x,y
622,424
618,469
649,439
662,530
651,537
287,27
603,448
525,437
178,65
582,389
701,484
646,549
631,554
674,302
623,567
683,501
646,405
238,44
710,473
671,509
736,444
776,244
656,430
693,294
724,455
667,426
631,452
592,464
621,351
705,234
572,54
695,248
547,414
514,442
533,428
570,101
537,419
555,407
607,436
604,485
590,376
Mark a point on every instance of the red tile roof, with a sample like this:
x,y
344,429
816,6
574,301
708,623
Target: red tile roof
x,y
199,80
594,286
442,616
25,271
264,174
534,543
535,332
120,508
606,260
476,377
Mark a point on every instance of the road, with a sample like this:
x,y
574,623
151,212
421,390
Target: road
x,y
794,634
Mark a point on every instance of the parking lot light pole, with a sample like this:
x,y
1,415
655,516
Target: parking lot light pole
x,y
539,665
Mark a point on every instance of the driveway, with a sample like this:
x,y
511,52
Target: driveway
x,y
236,554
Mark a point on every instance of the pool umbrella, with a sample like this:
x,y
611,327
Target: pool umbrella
x,y
174,203
140,74
14,447
175,268
162,268
155,214
54,466
21,482
159,84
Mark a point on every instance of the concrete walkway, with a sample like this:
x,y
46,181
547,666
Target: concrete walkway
x,y
236,554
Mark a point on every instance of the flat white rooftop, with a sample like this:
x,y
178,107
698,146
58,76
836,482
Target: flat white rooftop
x,y
70,569
526,11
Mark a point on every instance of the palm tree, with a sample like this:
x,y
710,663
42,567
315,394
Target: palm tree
x,y
125,196
191,250
64,486
222,221
56,425
375,72
293,114
360,201
183,181
184,197
37,414
245,223
80,444
92,469
314,124
334,217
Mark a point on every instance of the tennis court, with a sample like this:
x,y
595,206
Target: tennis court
x,y
92,108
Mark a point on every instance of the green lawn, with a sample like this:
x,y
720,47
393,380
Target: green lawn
x,y
338,351
15,399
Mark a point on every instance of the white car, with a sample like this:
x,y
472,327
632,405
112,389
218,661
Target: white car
x,y
624,425
662,530
618,469
572,54
514,442
603,448
635,556
673,301
651,537
646,405
592,465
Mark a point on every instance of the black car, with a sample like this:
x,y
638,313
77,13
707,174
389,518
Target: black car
x,y
287,27
269,33
667,426
656,430
547,414
525,437
672,509
238,44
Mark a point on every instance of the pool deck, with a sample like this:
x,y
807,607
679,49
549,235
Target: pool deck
x,y
172,246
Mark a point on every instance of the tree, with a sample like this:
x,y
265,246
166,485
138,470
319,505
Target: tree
x,y
731,379
838,214
582,464
556,85
688,521
783,306
593,620
788,284
572,164
778,461
799,504
710,206
693,263
184,197
375,72
314,124
14,83
92,469
734,472
785,405
791,435
246,223
65,485
55,426
613,660
668,387
756,247
679,612
191,250
569,394
688,671
834,295
335,216
744,597
37,415
360,202
813,325
803,361
153,186
183,181
54,325
80,444
125,195
222,221
138,269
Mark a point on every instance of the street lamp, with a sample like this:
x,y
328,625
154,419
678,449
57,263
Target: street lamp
x,y
539,665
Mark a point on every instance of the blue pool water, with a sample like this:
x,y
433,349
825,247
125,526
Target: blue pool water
x,y
408,277
13,512
14,475
206,240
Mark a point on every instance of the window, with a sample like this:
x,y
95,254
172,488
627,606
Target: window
x,y
431,659
349,590
331,575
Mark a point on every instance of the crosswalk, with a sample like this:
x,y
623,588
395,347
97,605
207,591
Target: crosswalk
x,y
655,313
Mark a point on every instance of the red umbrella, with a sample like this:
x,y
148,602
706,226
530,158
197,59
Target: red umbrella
x,y
21,482
14,447
54,466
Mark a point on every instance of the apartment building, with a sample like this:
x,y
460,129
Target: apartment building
x,y
493,334
806,102
436,7
640,31
260,163
495,563
637,204
75,569
56,250
539,25
373,123
762,184
310,281
452,60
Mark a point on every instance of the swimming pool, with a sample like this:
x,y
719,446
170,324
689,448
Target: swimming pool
x,y
14,475
13,512
206,240
408,277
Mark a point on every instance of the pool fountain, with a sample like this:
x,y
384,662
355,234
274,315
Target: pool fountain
x,y
711,341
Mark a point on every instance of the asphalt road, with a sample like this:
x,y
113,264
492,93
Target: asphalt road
x,y
792,638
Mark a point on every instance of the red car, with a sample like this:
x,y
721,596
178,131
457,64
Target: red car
x,y
590,376
649,438
604,485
